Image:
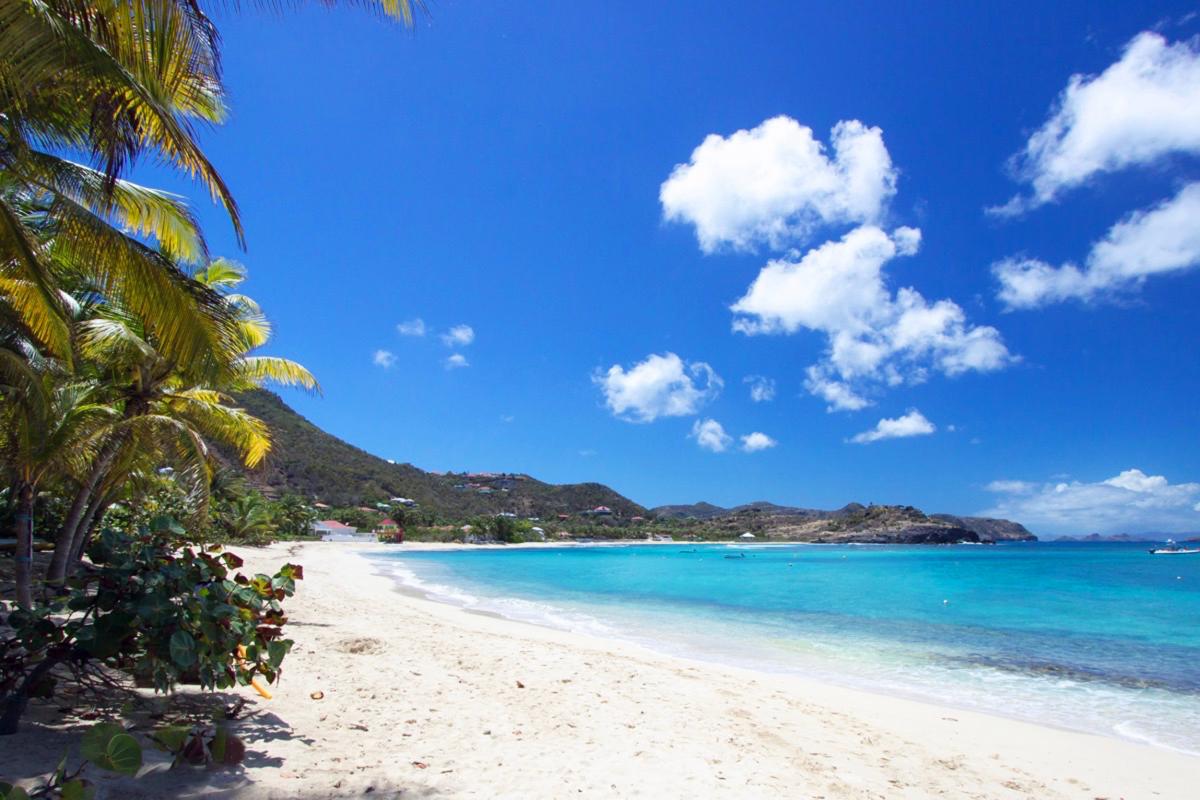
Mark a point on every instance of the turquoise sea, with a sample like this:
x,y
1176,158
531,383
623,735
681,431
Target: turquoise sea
x,y
1103,638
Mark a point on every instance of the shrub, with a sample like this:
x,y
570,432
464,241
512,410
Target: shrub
x,y
164,611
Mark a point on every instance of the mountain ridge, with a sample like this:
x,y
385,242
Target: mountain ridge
x,y
317,465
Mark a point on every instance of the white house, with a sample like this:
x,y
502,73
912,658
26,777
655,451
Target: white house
x,y
330,530
747,535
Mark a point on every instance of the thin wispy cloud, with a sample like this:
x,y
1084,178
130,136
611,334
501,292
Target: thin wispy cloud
x,y
459,336
412,327
1161,240
762,389
1140,110
659,386
384,358
911,424
1130,502
457,361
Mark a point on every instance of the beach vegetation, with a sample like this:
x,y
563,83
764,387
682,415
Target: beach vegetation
x,y
157,606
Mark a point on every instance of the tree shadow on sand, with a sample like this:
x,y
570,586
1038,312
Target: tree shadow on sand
x,y
51,730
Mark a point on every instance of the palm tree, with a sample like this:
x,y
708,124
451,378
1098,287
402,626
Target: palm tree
x,y
247,518
48,428
194,396
116,80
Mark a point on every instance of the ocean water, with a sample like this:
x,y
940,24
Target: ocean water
x,y
1103,638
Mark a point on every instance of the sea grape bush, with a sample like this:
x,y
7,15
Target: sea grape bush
x,y
158,607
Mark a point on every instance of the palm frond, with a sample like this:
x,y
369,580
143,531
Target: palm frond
x,y
204,409
141,210
253,371
44,315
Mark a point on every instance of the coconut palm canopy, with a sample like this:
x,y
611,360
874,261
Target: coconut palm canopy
x,y
122,338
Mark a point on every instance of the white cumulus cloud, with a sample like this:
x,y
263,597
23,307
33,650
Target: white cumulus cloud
x,y
753,442
457,361
1160,240
911,424
1140,109
384,358
762,389
459,336
710,435
777,183
1130,502
412,327
873,336
660,386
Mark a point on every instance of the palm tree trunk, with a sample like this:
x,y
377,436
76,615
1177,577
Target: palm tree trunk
x,y
23,528
87,526
15,702
64,544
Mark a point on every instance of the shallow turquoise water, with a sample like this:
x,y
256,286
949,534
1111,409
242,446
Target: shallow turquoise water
x,y
1097,637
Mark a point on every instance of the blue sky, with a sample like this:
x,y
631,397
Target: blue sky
x,y
512,169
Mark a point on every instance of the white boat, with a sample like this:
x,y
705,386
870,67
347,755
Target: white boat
x,y
1172,549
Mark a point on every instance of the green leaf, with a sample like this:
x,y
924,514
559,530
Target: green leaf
x,y
166,524
171,738
217,745
276,650
124,754
10,792
94,746
183,649
77,790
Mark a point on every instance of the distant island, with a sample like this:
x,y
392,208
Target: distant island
x,y
321,468
1146,537
853,523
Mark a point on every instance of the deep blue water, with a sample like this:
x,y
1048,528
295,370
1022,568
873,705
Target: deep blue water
x,y
1097,637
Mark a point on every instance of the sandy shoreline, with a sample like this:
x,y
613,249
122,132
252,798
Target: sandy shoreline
x,y
425,700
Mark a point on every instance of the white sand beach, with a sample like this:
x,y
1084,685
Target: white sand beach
x,y
421,699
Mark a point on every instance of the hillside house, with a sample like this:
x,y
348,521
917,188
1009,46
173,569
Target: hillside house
x,y
330,530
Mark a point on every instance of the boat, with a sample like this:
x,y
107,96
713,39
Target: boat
x,y
1172,549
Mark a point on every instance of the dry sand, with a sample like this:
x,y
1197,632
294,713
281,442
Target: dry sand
x,y
425,700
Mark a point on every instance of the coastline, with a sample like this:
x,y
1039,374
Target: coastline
x,y
427,699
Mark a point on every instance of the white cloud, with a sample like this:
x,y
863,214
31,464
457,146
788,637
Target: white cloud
x,y
459,336
1140,109
412,327
661,386
507,418
873,336
762,389
1163,239
1130,502
776,184
911,424
1011,487
710,435
384,358
457,361
839,395
753,442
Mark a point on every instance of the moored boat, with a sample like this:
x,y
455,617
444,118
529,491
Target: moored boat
x,y
1173,549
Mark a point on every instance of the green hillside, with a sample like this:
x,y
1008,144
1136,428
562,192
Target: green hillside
x,y
307,461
